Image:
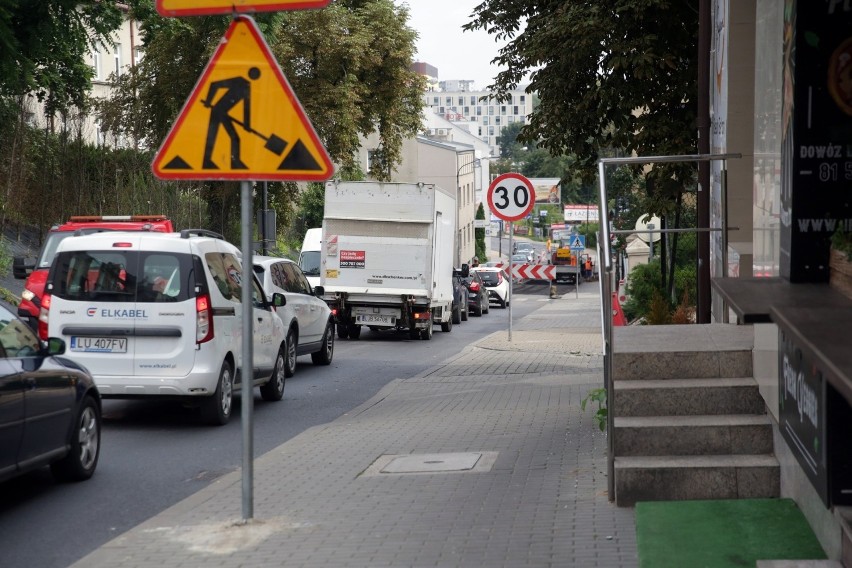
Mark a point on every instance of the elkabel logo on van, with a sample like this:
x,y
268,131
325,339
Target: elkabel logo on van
x,y
117,314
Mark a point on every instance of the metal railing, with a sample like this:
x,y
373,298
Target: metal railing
x,y
606,277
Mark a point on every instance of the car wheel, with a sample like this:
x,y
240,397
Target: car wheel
x,y
426,333
326,352
465,313
82,458
354,331
290,359
342,331
456,317
216,409
273,390
503,303
477,311
447,326
487,307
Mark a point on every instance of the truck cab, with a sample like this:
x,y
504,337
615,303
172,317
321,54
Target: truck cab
x,y
35,270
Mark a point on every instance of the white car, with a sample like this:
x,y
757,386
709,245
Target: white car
x,y
160,315
495,283
306,316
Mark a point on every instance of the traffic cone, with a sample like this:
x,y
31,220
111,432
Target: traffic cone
x,y
617,313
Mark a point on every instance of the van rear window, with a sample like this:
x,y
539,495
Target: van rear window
x,y
122,276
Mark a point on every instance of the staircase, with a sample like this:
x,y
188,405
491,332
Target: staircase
x,y
689,422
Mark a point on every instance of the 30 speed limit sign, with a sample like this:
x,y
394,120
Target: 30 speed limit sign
x,y
511,197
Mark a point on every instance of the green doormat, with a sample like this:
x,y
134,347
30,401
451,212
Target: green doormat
x,y
722,533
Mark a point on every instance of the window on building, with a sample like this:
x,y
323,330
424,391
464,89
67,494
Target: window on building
x,y
116,56
503,109
484,120
461,101
448,101
497,120
96,64
490,131
511,119
466,111
441,110
137,55
436,101
478,111
490,110
473,100
523,99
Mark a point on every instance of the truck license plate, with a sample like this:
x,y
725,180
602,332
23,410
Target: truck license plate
x,y
99,344
370,319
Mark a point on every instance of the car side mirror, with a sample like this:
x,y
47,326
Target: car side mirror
x,y
319,291
55,346
278,299
22,266
465,270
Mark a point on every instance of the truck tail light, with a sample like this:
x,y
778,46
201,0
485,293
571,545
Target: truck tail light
x,y
203,319
422,315
43,316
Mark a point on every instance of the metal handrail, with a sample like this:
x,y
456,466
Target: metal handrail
x,y
605,280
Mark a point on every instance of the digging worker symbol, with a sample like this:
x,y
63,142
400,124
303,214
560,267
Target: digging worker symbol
x,y
237,90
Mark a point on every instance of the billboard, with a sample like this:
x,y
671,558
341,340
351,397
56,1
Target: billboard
x,y
546,191
581,214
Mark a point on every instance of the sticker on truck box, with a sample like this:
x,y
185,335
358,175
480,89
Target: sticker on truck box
x,y
352,258
331,273
331,246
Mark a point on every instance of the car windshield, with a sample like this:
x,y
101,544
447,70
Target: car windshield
x,y
490,278
310,262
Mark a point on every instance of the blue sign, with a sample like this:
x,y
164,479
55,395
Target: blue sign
x,y
578,242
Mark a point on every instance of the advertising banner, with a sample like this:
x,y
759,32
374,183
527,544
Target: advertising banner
x,y
546,191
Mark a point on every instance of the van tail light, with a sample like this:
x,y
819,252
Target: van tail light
x,y
203,319
43,316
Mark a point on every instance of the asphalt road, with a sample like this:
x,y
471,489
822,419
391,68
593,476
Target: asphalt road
x,y
155,454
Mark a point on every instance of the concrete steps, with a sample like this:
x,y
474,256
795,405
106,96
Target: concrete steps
x,y
689,422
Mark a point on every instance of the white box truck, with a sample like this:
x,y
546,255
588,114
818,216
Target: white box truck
x,y
387,256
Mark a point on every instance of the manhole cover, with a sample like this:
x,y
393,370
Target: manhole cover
x,y
459,462
425,463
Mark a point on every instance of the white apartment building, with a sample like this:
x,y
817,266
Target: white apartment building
x,y
458,102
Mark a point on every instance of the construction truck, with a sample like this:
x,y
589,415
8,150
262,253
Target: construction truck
x,y
567,264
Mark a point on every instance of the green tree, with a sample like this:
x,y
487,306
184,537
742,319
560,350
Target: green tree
x,y
43,47
481,252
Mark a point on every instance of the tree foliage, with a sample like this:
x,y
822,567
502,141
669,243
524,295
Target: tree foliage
x,y
609,75
43,44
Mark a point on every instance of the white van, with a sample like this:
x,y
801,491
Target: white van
x,y
160,315
310,258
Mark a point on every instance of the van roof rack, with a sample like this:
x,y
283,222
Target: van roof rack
x,y
186,233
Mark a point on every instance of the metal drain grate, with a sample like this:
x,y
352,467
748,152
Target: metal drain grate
x,y
461,462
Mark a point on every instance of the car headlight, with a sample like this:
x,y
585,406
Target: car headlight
x,y
27,295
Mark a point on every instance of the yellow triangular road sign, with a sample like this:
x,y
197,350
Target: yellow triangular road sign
x,y
207,7
242,120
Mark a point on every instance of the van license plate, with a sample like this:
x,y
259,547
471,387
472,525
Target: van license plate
x,y
99,344
370,319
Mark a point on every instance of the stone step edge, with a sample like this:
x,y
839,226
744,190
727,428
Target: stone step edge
x,y
639,384
695,421
695,462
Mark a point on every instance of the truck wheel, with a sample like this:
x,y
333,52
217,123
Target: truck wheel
x,y
342,331
447,326
426,333
354,331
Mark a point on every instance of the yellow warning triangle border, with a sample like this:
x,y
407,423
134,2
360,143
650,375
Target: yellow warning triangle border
x,y
211,7
324,170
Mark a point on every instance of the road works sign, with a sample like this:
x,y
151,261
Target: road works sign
x,y
242,120
208,7
511,197
534,271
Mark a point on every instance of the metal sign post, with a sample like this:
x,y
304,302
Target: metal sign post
x,y
248,351
510,197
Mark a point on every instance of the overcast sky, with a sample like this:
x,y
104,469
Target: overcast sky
x,y
443,44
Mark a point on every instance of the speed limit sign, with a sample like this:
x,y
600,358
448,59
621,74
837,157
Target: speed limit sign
x,y
511,197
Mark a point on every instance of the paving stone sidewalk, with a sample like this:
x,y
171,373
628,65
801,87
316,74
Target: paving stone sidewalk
x,y
484,460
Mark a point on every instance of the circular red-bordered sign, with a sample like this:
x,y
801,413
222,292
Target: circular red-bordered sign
x,y
511,197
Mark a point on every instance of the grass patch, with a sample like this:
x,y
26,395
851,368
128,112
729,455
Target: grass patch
x,y
722,533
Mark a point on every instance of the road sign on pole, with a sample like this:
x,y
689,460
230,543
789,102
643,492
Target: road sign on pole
x,y
242,120
210,7
578,242
511,196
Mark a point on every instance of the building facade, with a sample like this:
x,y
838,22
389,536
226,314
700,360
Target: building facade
x,y
485,118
